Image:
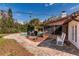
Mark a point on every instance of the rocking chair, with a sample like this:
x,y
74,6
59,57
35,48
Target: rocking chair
x,y
60,39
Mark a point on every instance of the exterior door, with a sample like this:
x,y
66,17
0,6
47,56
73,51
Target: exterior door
x,y
74,33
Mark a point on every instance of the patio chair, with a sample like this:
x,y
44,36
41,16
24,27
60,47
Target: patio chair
x,y
40,34
60,39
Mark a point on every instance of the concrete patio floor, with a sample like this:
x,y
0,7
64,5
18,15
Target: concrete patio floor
x,y
44,48
66,48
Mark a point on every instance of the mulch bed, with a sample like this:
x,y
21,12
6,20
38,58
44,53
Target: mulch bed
x,y
37,39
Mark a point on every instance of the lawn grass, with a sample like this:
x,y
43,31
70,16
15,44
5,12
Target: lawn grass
x,y
9,47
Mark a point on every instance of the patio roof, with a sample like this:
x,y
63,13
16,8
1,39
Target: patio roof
x,y
56,22
65,20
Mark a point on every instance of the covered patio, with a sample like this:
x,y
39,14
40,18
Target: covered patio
x,y
56,28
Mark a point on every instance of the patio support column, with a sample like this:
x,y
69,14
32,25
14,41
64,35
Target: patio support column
x,y
43,29
62,29
54,29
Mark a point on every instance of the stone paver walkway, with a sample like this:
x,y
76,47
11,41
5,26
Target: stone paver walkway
x,y
33,48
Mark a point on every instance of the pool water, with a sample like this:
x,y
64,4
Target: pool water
x,y
24,34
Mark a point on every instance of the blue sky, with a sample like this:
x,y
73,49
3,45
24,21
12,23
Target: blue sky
x,y
38,10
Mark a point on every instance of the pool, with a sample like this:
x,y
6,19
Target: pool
x,y
24,34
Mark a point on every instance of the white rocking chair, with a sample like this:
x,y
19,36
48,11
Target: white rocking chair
x,y
60,39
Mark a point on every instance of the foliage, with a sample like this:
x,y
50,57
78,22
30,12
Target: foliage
x,y
8,25
35,22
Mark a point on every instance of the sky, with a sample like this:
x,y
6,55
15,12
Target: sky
x,y
38,10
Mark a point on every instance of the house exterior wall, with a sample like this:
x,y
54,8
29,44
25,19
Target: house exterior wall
x,y
78,36
70,36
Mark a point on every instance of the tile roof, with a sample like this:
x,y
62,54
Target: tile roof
x,y
64,20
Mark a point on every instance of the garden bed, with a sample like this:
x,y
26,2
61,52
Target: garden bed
x,y
36,38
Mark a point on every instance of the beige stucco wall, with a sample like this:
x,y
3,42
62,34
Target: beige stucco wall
x,y
73,23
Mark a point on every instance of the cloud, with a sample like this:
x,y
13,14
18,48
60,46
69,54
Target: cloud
x,y
3,7
21,22
75,7
18,15
49,4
